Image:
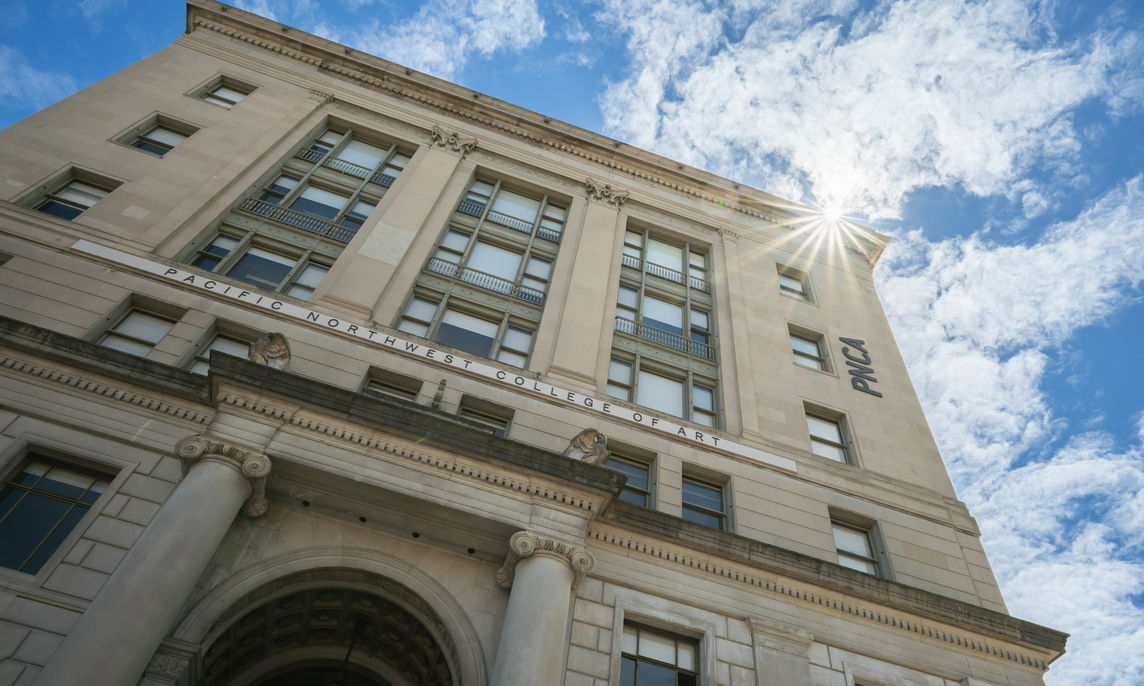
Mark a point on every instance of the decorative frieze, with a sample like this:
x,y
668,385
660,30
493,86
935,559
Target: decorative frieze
x,y
606,192
527,543
453,141
254,466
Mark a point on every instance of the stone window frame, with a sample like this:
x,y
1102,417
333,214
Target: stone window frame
x,y
386,382
206,90
849,444
872,529
139,135
638,629
819,340
715,481
136,302
66,446
51,188
642,608
802,277
637,458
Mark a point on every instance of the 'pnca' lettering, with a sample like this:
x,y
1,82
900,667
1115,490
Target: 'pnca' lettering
x,y
858,359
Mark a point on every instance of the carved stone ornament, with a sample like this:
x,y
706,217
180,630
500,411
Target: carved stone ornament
x,y
452,141
589,446
526,544
253,466
166,668
606,192
270,350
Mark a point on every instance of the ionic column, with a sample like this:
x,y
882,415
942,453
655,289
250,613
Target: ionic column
x,y
542,574
121,629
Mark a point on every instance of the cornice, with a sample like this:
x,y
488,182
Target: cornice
x,y
491,113
742,569
438,460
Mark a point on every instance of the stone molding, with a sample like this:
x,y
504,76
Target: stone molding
x,y
606,192
102,389
527,543
775,635
453,141
817,598
253,466
371,439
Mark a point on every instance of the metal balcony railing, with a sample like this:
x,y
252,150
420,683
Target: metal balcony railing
x,y
472,208
663,272
665,338
484,280
476,209
347,167
310,155
298,220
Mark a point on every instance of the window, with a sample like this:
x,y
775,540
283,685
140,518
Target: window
x,y
230,345
674,392
42,502
807,349
828,438
264,264
637,490
468,327
656,658
493,416
703,503
533,214
137,332
794,283
158,135
226,92
75,195
855,547
392,384
663,353
288,233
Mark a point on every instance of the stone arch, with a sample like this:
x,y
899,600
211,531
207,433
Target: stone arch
x,y
362,570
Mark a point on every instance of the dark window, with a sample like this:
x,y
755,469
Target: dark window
x,y
40,505
637,490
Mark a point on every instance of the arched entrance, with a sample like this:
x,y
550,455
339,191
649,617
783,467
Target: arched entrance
x,y
329,626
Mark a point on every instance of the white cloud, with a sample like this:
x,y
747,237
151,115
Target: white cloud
x,y
978,324
92,9
25,86
864,107
441,37
259,7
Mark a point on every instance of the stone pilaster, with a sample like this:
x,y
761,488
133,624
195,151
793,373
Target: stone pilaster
x,y
541,573
153,581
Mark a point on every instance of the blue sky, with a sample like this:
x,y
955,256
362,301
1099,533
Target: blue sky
x,y
1000,142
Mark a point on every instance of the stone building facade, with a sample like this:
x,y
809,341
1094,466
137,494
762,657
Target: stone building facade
x,y
308,366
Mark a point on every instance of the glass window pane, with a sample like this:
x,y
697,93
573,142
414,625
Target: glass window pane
x,y
514,358
81,193
630,640
665,255
620,371
637,473
627,297
703,495
311,276
538,267
262,268
415,328
319,203
621,392
830,452
455,240
494,260
804,345
865,566
516,205
27,525
467,332
59,209
229,93
125,345
420,308
699,319
362,154
65,482
518,339
852,541
143,326
633,238
702,398
824,429
657,647
663,315
686,656
627,672
703,518
166,136
660,393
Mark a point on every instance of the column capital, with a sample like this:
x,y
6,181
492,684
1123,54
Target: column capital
x,y
452,141
779,636
254,466
606,192
527,543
